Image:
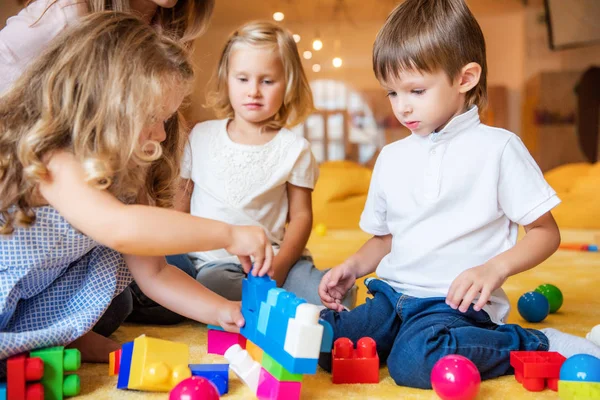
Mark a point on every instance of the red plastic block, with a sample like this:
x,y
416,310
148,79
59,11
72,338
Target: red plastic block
x,y
114,362
220,341
22,369
269,388
537,369
350,365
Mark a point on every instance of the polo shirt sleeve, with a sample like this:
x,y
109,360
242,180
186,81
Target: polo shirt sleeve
x,y
523,193
374,216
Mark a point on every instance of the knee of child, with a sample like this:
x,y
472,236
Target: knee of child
x,y
411,373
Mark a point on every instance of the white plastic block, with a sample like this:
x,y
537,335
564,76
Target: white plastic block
x,y
244,366
304,334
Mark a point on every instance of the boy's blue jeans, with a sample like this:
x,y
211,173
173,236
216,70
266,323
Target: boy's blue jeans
x,y
412,334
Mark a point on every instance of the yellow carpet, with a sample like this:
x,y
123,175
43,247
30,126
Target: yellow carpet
x,y
575,273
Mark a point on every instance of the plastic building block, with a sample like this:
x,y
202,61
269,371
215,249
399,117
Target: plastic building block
x,y
277,371
57,361
255,352
218,374
327,341
455,377
194,388
350,365
265,310
304,325
254,292
114,363
158,365
570,390
579,246
125,368
21,370
244,366
269,388
537,369
2,391
215,327
220,341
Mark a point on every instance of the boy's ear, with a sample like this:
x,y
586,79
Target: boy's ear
x,y
469,77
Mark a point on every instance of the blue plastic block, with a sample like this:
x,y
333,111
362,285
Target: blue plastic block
x,y
276,352
216,373
265,309
215,327
254,292
593,247
327,342
280,315
2,391
125,369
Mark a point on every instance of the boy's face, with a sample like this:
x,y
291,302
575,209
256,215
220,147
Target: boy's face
x,y
424,102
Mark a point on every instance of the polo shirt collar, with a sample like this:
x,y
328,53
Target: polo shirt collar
x,y
467,120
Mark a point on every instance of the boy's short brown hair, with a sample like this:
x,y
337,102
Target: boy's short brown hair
x,y
429,35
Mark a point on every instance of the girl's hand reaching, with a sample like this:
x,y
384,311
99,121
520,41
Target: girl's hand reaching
x,y
251,241
230,316
335,284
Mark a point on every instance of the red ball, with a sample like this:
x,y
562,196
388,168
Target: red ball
x,y
455,377
194,388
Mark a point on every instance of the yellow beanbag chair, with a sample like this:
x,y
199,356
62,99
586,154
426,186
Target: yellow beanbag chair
x,y
578,186
340,194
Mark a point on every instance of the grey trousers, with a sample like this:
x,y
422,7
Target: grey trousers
x,y
302,280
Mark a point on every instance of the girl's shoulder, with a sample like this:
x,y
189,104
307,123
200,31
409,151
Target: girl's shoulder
x,y
293,138
208,128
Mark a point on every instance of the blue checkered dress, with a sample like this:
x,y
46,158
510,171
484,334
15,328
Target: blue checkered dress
x,y
55,284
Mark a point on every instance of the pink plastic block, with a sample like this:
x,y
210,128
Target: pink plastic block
x,y
270,388
220,341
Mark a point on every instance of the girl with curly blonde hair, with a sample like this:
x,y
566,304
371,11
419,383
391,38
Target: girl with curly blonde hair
x,y
90,145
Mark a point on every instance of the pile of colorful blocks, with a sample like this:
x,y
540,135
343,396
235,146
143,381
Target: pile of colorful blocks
x,y
41,375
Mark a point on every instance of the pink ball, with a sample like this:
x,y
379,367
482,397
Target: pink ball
x,y
194,388
455,377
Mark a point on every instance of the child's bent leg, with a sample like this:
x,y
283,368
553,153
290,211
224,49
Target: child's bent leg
x,y
94,348
377,319
224,279
569,345
432,330
303,280
119,309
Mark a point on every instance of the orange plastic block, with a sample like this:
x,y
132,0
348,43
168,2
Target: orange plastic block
x,y
537,369
255,352
158,365
114,363
350,365
22,369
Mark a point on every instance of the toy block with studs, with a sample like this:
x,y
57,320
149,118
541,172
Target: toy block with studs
x,y
218,374
244,366
270,388
2,390
255,352
350,365
114,362
57,361
22,372
219,341
158,365
125,365
537,369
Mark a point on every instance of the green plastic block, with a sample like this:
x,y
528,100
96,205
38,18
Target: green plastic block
x,y
277,370
57,361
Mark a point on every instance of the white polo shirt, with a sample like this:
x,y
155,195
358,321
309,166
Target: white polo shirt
x,y
452,201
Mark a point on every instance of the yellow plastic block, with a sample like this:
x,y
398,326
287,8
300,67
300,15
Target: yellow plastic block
x,y
568,390
255,352
158,365
111,364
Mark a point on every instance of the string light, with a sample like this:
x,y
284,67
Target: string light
x,y
317,44
337,62
278,16
316,67
307,55
297,38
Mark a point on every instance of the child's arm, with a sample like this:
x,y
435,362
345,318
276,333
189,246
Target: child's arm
x,y
144,230
175,290
297,231
336,283
541,240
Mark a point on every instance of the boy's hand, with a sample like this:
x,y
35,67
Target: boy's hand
x,y
230,316
478,281
251,241
335,284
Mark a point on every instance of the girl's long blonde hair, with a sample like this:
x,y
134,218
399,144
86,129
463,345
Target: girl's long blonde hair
x,y
91,93
186,21
297,101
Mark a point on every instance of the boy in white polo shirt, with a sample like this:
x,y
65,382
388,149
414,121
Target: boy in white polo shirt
x,y
443,208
